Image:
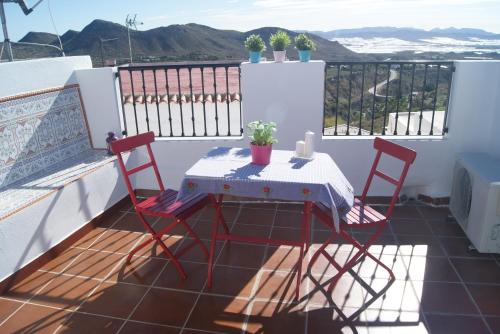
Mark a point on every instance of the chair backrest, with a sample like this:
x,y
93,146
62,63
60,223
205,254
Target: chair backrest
x,y
397,151
127,144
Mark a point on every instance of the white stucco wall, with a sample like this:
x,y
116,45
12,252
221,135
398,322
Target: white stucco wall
x,y
34,230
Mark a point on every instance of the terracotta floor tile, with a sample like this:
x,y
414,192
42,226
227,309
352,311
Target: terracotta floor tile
x,y
34,319
368,268
477,270
230,281
400,296
154,249
279,286
282,258
28,287
288,219
269,317
456,324
256,216
410,227
242,255
221,314
116,300
486,297
460,247
494,323
229,213
138,328
260,231
432,269
84,324
325,320
165,307
197,255
289,234
7,307
405,212
260,205
446,298
90,237
196,277
130,222
94,264
117,241
446,228
65,292
432,213
347,293
62,261
141,270
203,229
112,218
420,246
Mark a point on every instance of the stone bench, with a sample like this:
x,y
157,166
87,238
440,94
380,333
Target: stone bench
x,y
44,145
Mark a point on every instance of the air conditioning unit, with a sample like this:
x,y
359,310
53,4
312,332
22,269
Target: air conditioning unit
x,y
475,199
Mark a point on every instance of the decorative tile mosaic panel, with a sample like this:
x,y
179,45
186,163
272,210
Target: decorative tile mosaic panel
x,y
39,130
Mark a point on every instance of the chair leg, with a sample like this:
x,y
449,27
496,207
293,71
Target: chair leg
x,y
138,248
157,237
195,237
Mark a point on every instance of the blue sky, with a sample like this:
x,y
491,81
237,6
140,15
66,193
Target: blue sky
x,y
248,14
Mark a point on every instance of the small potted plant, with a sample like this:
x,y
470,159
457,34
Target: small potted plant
x,y
279,42
261,141
304,45
255,46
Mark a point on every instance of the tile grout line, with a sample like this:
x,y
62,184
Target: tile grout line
x,y
213,266
52,279
256,284
102,280
154,281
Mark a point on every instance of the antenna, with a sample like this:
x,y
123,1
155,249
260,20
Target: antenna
x,y
131,22
7,43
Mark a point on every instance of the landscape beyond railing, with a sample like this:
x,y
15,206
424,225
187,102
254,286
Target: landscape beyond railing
x,y
387,98
181,99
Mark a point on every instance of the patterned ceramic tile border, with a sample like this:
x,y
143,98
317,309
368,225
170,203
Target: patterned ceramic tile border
x,y
40,129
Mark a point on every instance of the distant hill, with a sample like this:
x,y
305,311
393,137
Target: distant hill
x,y
175,42
409,34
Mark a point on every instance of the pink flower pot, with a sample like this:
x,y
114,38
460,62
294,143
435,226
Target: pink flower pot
x,y
261,155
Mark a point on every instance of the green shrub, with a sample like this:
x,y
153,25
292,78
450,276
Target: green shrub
x,y
302,42
255,43
261,133
279,41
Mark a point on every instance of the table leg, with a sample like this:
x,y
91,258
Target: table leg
x,y
306,238
213,242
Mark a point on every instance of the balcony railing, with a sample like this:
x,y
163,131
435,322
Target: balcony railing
x,y
182,99
387,98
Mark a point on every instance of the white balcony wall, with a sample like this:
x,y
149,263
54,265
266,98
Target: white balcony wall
x,y
291,94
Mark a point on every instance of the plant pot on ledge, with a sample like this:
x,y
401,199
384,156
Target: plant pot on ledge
x,y
279,42
261,141
255,46
304,46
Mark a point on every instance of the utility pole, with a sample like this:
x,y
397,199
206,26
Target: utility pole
x,y
131,22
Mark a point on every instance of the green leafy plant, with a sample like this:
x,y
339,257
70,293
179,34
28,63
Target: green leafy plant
x,y
255,43
261,133
303,42
279,41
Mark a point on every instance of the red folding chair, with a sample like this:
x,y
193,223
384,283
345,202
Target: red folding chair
x,y
362,215
162,205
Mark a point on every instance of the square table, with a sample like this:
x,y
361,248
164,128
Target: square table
x,y
229,171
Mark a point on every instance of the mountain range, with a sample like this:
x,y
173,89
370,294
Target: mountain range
x,y
175,42
409,34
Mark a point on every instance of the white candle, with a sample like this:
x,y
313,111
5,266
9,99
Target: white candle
x,y
299,148
309,144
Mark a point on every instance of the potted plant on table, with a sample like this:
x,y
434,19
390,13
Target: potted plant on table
x,y
279,42
261,141
304,45
255,46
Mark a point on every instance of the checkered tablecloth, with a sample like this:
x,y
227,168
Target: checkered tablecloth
x,y
229,171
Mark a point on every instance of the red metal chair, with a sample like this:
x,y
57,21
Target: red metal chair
x,y
362,215
162,205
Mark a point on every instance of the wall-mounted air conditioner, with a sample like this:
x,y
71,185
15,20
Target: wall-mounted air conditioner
x,y
475,199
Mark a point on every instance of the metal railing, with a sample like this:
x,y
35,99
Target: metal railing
x,y
387,98
181,99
